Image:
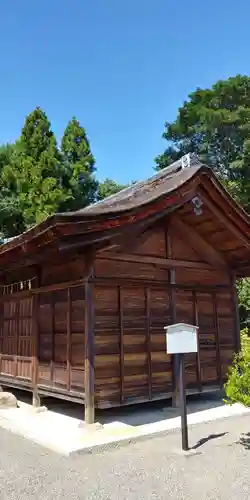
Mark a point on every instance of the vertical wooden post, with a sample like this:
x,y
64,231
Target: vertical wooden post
x,y
1,332
196,321
172,298
148,313
217,339
89,340
52,305
236,315
16,304
120,304
69,305
35,333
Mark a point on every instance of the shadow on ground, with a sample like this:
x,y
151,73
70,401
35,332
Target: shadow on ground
x,y
245,441
134,415
203,441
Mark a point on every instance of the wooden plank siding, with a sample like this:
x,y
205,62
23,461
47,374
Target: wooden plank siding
x,y
43,343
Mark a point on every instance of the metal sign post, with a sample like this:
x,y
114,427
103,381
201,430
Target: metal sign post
x,y
180,339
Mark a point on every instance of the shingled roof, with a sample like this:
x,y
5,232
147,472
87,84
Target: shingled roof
x,y
143,192
161,193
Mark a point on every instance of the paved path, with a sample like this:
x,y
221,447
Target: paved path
x,y
154,469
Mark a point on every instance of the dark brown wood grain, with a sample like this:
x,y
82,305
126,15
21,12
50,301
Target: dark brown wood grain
x,y
172,301
121,343
69,315
198,244
89,354
217,339
93,330
35,338
196,322
157,261
149,348
236,314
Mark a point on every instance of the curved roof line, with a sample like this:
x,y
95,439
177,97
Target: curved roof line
x,y
166,182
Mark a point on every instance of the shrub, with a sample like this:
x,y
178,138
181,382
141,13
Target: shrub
x,y
237,387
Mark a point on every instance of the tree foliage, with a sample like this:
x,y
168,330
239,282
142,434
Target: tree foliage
x,y
36,173
215,124
79,164
243,289
109,187
237,387
11,217
39,178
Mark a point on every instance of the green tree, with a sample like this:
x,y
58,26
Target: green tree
x,y
36,173
11,217
215,124
243,289
237,387
79,164
109,187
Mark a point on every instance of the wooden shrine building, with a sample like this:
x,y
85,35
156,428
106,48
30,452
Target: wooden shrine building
x,y
85,296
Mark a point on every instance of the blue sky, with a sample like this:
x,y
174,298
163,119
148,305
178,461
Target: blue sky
x,y
122,67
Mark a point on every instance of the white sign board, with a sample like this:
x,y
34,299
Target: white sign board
x,y
181,338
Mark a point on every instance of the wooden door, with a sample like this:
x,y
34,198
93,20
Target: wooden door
x,y
208,339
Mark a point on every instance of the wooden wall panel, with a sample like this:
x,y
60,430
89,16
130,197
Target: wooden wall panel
x,y
180,249
117,269
131,363
201,277
154,245
107,346
61,343
185,313
77,326
207,339
226,328
68,271
160,316
16,338
135,343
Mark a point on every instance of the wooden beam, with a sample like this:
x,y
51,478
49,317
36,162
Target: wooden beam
x,y
198,243
156,261
89,341
223,218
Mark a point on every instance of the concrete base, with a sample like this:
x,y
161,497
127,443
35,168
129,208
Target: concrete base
x,y
66,435
7,400
90,427
188,453
36,401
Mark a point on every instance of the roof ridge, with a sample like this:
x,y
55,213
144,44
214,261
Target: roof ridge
x,y
186,161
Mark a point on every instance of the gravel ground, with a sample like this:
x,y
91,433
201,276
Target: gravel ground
x,y
217,468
